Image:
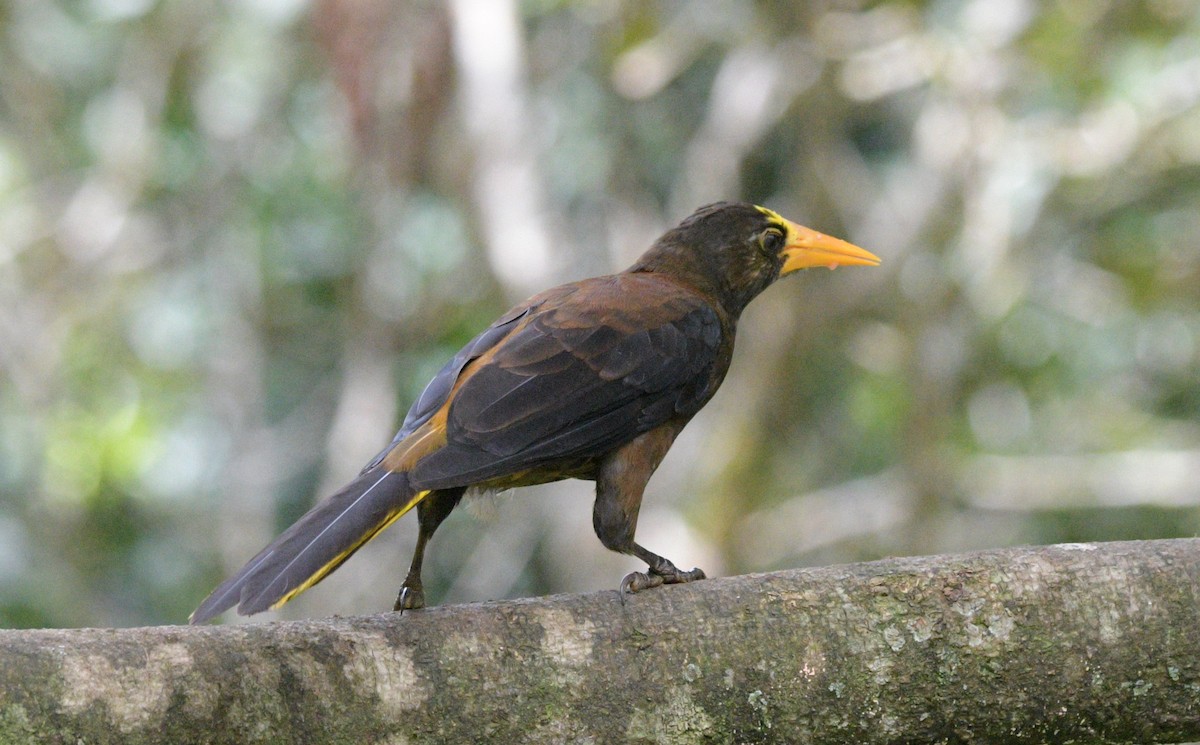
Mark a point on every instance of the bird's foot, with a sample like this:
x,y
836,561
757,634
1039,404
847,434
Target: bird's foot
x,y
663,574
411,597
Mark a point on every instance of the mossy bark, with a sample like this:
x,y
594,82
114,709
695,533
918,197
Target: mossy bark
x,y
1096,643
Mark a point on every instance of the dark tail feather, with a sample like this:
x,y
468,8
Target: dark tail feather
x,y
315,545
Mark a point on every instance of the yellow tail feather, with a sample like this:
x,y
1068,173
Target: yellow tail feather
x,y
336,561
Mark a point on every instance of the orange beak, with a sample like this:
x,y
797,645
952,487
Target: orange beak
x,y
807,248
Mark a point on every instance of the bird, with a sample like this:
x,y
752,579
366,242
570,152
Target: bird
x,y
590,380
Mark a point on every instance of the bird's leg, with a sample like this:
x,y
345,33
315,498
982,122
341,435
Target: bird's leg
x,y
430,513
620,482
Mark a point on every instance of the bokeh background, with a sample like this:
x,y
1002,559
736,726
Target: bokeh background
x,y
236,238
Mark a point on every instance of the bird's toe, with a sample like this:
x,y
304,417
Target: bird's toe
x,y
675,576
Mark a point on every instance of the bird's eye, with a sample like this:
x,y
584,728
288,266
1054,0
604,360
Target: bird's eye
x,y
771,240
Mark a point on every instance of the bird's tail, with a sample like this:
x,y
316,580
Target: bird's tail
x,y
315,545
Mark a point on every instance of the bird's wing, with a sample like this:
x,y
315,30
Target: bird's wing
x,y
574,375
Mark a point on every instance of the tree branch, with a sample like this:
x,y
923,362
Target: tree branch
x,y
1090,642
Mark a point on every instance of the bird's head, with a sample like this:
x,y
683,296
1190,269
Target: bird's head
x,y
736,250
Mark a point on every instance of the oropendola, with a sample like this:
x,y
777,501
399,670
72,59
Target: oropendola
x,y
591,380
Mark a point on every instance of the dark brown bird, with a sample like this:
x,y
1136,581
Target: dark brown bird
x,y
590,380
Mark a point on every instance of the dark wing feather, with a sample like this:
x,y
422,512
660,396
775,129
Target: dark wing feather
x,y
578,377
438,389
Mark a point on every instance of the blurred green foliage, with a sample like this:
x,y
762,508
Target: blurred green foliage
x,y
237,238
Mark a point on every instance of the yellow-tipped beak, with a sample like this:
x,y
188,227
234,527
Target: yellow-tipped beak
x,y
807,248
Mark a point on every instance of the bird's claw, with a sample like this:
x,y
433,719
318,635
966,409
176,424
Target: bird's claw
x,y
410,598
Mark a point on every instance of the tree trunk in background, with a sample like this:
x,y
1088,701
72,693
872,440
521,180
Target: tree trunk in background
x,y
1084,642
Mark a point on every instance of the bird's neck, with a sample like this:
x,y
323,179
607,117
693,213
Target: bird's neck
x,y
684,268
